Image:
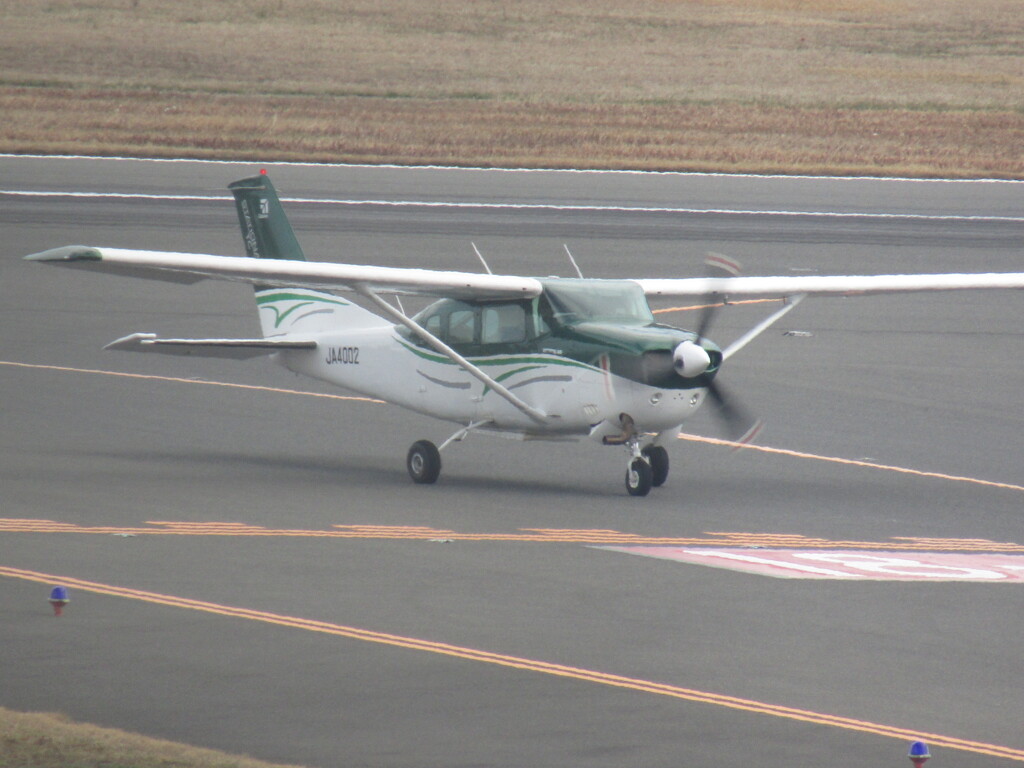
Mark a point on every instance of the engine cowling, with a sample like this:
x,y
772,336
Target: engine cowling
x,y
690,359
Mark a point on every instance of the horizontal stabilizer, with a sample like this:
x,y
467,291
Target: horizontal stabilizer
x,y
238,349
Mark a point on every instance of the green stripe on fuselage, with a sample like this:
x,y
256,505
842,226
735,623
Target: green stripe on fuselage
x,y
267,298
512,359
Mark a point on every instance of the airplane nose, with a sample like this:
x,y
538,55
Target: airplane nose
x,y
690,360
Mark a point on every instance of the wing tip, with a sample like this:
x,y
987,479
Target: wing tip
x,y
67,253
131,342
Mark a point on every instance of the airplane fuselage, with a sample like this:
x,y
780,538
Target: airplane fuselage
x,y
575,396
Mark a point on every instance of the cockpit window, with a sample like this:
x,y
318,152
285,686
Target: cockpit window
x,y
461,326
611,301
503,323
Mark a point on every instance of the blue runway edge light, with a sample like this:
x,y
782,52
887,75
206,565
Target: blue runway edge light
x,y
918,753
58,599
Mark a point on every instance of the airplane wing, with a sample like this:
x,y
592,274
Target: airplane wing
x,y
825,285
192,267
237,349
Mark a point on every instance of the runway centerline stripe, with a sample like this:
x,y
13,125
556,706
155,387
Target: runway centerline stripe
x,y
178,380
683,436
848,462
515,662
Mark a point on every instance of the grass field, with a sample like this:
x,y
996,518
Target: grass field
x,y
886,87
53,741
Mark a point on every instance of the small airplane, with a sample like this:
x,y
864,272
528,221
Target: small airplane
x,y
533,358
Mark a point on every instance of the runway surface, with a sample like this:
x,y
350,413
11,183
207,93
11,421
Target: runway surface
x,y
251,569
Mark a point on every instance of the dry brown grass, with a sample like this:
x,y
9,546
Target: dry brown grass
x,y
34,740
841,86
419,131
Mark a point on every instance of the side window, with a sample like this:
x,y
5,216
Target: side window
x,y
503,323
461,326
433,324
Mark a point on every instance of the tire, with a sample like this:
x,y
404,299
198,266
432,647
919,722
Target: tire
x,y
639,477
423,462
658,457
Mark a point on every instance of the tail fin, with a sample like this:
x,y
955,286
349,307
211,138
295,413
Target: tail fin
x,y
265,228
287,311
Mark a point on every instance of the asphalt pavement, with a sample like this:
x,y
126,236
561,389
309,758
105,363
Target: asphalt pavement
x,y
251,569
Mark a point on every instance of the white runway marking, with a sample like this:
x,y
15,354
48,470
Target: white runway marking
x,y
526,206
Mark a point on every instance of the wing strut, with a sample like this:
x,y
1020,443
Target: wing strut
x,y
539,416
757,330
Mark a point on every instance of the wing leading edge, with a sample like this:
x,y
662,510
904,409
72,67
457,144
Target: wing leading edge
x,y
826,285
191,267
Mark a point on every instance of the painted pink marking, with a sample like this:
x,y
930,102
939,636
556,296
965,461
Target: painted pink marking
x,y
846,564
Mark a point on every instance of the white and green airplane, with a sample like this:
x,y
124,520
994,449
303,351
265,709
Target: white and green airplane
x,y
533,358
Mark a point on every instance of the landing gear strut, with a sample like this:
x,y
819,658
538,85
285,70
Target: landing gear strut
x,y
647,467
424,458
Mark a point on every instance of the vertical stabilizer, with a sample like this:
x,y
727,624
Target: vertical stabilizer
x,y
286,310
265,228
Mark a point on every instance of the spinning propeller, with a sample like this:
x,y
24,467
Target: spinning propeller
x,y
740,425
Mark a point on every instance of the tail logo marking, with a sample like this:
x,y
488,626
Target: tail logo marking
x,y
251,244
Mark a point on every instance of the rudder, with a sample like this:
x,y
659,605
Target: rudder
x,y
265,228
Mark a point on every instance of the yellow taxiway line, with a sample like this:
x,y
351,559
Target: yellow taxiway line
x,y
531,665
590,536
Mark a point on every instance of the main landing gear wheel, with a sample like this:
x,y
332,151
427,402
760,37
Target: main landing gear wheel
x,y
658,457
423,462
639,477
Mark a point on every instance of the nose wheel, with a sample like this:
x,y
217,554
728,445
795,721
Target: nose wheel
x,y
647,468
639,477
657,456
646,471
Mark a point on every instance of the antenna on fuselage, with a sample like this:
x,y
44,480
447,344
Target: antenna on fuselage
x,y
574,264
481,257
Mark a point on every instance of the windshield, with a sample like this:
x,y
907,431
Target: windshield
x,y
611,301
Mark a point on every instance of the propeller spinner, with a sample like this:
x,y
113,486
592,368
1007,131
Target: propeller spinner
x,y
690,359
